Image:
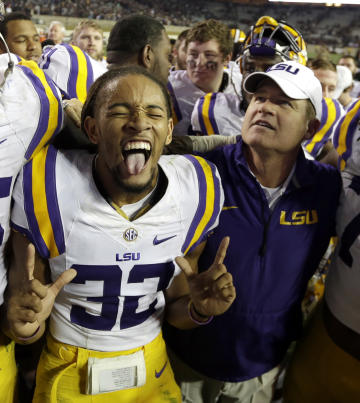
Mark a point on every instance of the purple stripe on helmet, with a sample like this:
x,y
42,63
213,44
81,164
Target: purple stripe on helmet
x,y
51,198
30,213
201,204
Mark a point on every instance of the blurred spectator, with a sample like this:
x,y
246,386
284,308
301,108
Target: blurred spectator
x,y
325,72
351,63
179,51
89,37
344,86
56,32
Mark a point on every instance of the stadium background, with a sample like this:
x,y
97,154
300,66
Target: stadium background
x,y
329,29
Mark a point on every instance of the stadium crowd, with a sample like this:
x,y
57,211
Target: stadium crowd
x,y
330,25
178,222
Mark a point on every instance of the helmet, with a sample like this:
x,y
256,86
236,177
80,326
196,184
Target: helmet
x,y
269,37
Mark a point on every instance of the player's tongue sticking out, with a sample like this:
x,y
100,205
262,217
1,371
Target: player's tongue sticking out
x,y
135,156
135,162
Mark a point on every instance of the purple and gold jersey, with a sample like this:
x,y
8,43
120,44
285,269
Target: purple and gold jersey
x,y
184,95
343,280
346,138
30,115
331,113
116,301
217,113
71,69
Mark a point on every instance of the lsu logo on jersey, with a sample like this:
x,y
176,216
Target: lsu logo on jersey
x,y
304,217
130,234
127,256
283,66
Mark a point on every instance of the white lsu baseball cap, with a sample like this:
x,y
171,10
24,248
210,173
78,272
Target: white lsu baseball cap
x,y
294,79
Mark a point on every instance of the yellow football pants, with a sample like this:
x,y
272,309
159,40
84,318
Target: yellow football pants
x,y
320,371
62,372
8,372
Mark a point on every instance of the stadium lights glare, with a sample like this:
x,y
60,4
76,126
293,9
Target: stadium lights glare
x,y
337,3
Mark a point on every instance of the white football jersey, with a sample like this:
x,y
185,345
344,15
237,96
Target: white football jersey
x,y
218,113
30,114
71,69
116,301
343,279
184,95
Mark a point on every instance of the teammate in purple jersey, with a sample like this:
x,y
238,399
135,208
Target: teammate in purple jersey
x,y
280,211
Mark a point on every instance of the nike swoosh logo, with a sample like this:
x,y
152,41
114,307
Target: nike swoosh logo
x,y
156,241
2,141
158,374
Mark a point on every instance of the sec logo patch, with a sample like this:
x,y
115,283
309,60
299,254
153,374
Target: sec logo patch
x,y
130,234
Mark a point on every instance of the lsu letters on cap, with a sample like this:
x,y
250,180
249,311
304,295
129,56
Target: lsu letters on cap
x,y
294,79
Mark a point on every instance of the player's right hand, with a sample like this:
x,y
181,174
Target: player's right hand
x,y
30,304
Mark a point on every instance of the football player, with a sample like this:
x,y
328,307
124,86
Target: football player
x,y
118,219
268,42
30,115
325,366
21,36
208,69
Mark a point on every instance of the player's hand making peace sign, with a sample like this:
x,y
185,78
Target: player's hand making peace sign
x,y
30,304
212,291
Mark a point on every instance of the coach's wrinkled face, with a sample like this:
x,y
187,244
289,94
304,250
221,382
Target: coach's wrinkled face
x,y
130,127
251,64
276,123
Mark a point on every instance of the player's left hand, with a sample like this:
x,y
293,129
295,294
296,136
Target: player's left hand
x,y
212,292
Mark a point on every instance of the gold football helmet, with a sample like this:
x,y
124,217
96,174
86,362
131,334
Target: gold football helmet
x,y
269,37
